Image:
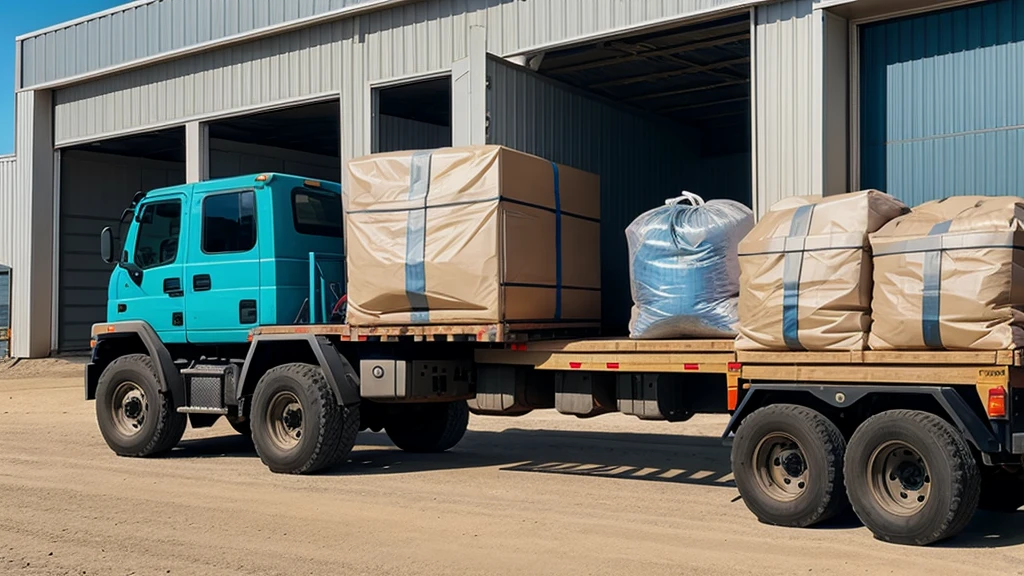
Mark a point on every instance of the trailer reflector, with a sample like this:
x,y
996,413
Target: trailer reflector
x,y
575,365
732,396
734,367
612,365
690,367
997,402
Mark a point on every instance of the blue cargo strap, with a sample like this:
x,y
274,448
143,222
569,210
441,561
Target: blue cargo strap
x,y
558,244
930,297
416,238
792,267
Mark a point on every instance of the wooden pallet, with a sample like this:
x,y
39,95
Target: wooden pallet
x,y
496,333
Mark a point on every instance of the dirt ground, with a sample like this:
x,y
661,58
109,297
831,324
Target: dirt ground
x,y
542,494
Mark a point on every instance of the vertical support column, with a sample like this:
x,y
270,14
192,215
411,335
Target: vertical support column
x,y
800,102
197,152
469,92
34,208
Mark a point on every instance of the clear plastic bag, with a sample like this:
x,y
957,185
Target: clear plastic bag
x,y
684,270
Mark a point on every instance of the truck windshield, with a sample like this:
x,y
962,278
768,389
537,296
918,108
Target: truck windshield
x,y
316,213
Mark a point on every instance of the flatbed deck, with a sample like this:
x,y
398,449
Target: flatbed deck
x,y
496,333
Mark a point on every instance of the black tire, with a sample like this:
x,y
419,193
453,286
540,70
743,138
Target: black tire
x,y
326,430
141,421
911,477
1001,490
771,446
429,427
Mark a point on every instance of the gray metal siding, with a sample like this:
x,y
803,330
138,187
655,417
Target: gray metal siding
x,y
403,134
8,232
787,90
144,30
287,67
641,159
147,30
5,306
941,106
229,158
88,204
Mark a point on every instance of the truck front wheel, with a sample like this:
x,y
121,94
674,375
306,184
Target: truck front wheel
x,y
135,417
788,464
429,427
298,427
911,477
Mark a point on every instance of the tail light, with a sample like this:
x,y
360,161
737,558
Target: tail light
x,y
997,402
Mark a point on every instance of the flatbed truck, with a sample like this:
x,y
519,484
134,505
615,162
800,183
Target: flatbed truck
x,y
224,303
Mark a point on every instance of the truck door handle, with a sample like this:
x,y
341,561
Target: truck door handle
x,y
201,282
172,287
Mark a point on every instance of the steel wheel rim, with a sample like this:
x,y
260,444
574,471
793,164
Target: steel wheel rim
x,y
285,420
128,408
780,467
900,478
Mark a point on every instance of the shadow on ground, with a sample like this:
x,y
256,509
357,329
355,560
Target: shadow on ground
x,y
693,460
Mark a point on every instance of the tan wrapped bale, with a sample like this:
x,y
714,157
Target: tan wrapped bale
x,y
950,275
805,272
468,236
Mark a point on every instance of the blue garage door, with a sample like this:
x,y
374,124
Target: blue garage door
x,y
942,103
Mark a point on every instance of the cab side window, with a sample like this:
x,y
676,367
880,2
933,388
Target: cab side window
x,y
229,222
156,242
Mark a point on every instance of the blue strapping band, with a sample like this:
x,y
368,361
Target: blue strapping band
x,y
416,236
792,266
558,245
930,298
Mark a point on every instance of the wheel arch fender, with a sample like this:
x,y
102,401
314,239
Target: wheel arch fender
x,y
270,350
838,397
120,338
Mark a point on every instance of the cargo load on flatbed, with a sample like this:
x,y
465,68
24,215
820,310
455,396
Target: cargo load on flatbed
x,y
805,272
951,275
480,234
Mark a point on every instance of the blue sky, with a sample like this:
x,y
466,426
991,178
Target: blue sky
x,y
18,17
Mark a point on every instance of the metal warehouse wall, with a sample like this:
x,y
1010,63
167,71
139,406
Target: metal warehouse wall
x,y
8,190
941,106
641,159
396,133
95,189
5,305
411,39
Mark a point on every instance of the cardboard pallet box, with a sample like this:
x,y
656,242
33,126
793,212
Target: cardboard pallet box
x,y
805,272
950,275
471,235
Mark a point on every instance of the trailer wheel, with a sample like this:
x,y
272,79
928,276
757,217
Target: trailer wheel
x,y
430,427
297,425
788,464
911,477
135,417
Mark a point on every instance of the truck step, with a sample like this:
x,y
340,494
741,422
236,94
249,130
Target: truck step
x,y
201,410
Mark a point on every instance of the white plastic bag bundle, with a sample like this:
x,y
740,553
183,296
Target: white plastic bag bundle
x,y
684,270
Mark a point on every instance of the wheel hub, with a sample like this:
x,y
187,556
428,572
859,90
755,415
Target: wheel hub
x,y
284,419
128,408
781,467
900,479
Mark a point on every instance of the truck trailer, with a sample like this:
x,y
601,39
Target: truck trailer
x,y
227,300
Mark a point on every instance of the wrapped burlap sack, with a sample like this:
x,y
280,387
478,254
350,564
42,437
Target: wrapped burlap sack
x,y
950,275
805,272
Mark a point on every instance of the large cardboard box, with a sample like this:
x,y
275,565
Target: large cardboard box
x,y
950,275
480,234
805,272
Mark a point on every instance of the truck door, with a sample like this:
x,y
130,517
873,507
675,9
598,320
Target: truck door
x,y
150,279
223,267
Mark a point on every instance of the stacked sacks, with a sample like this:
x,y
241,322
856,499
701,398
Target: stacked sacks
x,y
950,275
683,269
805,272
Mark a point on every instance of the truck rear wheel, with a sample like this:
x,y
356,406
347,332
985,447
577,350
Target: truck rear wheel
x,y
430,427
135,417
911,477
298,427
788,464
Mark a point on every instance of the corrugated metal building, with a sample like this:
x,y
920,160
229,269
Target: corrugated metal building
x,y
749,99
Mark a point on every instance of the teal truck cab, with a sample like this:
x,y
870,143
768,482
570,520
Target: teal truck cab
x,y
202,268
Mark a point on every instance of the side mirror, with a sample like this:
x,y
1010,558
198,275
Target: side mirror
x,y
107,245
